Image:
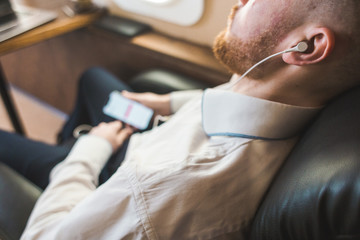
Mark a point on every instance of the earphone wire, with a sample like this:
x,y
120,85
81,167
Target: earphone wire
x,y
257,64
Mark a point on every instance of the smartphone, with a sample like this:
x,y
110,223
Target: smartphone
x,y
128,111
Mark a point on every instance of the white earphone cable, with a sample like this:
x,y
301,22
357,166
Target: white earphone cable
x,y
300,47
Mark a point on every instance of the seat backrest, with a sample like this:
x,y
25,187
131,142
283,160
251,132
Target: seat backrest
x,y
17,199
316,194
163,81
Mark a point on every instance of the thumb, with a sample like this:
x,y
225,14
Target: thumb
x,y
130,95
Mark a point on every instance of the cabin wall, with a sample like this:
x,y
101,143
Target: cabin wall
x,y
213,21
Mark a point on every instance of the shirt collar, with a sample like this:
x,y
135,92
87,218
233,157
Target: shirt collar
x,y
226,113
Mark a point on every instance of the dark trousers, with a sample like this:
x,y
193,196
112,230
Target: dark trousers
x,y
34,160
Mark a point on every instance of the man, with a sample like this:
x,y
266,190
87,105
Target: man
x,y
202,174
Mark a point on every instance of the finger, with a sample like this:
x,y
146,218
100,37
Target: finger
x,y
102,124
97,127
123,135
130,95
138,97
117,125
134,129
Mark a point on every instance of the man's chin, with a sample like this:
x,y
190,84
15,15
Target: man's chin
x,y
239,56
227,54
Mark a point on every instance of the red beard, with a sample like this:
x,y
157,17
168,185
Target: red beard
x,y
238,56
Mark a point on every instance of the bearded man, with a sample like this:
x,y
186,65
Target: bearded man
x,y
202,174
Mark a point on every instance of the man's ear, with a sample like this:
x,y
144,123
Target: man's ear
x,y
321,42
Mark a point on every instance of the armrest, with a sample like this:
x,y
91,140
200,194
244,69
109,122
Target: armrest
x,y
163,81
18,197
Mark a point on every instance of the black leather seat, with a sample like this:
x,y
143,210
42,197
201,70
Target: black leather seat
x,y
17,199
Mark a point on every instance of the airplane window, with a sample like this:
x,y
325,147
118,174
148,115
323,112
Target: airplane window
x,y
181,12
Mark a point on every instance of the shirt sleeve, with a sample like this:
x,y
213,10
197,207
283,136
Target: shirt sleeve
x,y
179,98
70,182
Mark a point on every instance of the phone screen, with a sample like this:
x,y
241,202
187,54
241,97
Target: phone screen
x,y
128,111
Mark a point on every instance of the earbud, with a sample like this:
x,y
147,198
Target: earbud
x,y
300,47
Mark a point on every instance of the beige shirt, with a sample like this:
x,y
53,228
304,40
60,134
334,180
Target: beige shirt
x,y
201,175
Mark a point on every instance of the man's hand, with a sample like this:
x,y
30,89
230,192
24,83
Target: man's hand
x,y
112,132
159,103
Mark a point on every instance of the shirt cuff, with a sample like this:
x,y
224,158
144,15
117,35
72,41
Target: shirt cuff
x,y
179,98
